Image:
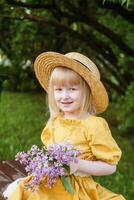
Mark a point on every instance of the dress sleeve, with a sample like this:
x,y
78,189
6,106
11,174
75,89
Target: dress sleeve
x,y
46,134
103,146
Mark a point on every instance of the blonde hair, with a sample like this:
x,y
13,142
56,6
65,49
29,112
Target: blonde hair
x,y
62,76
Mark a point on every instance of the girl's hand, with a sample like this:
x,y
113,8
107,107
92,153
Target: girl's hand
x,y
73,167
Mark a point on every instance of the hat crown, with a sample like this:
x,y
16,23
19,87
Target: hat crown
x,y
85,61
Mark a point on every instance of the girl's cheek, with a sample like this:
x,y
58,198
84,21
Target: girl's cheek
x,y
75,94
56,96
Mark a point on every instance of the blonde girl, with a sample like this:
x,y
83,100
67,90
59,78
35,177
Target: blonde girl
x,y
75,96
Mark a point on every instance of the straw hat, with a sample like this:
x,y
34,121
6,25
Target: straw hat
x,y
47,61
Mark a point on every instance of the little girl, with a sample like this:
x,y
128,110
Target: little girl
x,y
75,96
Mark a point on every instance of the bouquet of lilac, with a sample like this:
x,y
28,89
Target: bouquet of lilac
x,y
50,163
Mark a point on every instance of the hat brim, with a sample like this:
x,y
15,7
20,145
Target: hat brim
x,y
47,61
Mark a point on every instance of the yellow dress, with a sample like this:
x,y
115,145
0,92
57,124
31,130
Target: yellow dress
x,y
96,143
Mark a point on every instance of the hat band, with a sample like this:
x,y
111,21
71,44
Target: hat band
x,y
82,64
97,76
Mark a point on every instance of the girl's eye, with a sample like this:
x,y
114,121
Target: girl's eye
x,y
73,89
57,89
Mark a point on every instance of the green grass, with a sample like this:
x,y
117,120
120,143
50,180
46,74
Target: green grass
x,y
22,118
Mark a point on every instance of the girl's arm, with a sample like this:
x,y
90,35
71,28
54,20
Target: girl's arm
x,y
93,168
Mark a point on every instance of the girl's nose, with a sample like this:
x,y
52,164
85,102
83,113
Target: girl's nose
x,y
65,94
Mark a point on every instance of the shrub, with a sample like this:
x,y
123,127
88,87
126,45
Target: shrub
x,y
125,107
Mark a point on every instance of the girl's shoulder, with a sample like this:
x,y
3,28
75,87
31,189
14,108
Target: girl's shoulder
x,y
94,119
94,122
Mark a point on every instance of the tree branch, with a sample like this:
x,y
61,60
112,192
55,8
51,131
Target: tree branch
x,y
87,19
30,5
98,46
113,71
120,10
91,21
113,86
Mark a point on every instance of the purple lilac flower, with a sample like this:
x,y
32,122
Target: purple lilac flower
x,y
51,162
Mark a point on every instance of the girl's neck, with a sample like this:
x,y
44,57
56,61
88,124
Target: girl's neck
x,y
83,116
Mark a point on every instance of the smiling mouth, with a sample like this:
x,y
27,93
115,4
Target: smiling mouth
x,y
66,102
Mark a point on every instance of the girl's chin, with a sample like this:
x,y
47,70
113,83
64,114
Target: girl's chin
x,y
67,108
69,112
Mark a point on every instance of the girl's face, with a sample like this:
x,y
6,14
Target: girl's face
x,y
68,99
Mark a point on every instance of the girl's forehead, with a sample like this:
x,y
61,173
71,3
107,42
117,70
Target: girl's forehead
x,y
65,84
65,77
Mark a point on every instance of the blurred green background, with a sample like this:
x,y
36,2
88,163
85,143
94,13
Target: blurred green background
x,y
101,29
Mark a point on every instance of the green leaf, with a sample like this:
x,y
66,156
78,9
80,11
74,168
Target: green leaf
x,y
67,168
128,2
67,184
123,1
103,2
